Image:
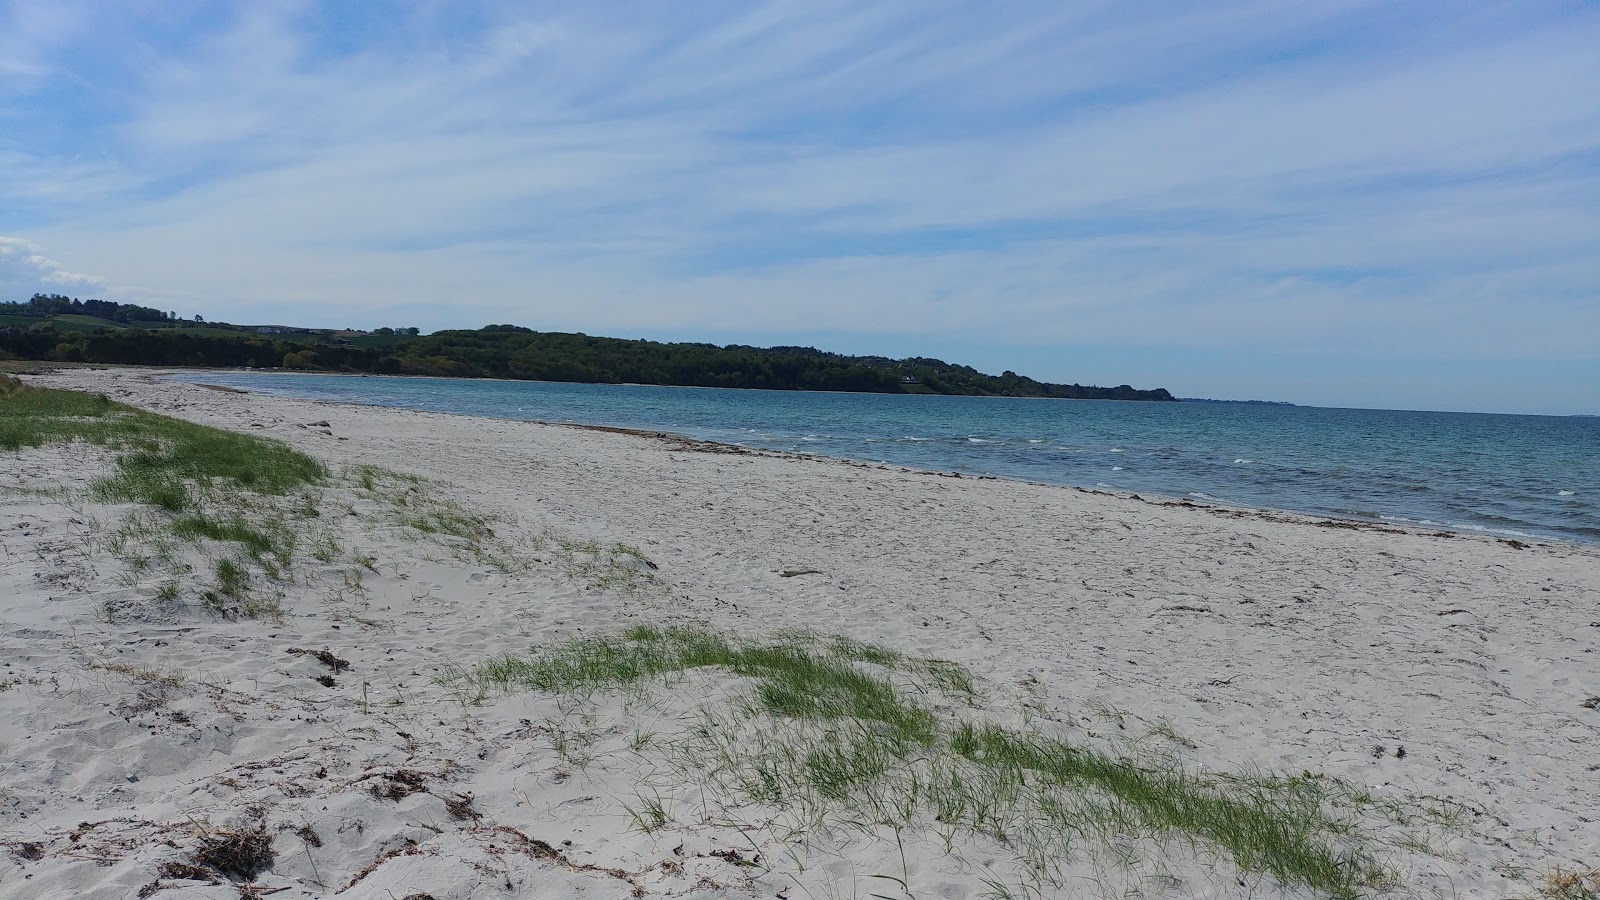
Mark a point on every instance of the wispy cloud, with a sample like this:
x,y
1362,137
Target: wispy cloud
x,y
1347,179
34,32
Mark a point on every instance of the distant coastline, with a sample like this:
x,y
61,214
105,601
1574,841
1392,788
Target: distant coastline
x,y
1248,402
64,329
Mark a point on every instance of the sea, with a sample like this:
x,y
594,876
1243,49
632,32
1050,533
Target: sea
x,y
1507,475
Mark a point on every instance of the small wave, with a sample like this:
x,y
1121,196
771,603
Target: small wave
x,y
913,438
1202,495
1489,530
1035,440
811,437
1116,468
1243,462
1432,523
1565,493
1118,450
973,440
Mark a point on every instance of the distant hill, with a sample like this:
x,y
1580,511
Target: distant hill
x,y
52,327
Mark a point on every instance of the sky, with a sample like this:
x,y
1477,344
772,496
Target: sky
x,y
1335,203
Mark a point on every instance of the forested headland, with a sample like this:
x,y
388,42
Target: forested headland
x,y
64,329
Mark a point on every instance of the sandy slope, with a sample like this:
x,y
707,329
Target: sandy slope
x,y
1264,641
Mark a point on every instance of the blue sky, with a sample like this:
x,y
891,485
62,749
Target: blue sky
x,y
1340,203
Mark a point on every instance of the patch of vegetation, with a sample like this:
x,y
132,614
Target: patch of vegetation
x,y
1572,884
615,566
1282,826
834,731
232,578
412,504
197,489
153,676
326,546
169,591
796,678
258,541
160,456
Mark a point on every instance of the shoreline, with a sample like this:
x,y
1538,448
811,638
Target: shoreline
x,y
1266,514
1516,539
1450,678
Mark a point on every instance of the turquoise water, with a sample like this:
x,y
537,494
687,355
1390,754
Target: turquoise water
x,y
1526,476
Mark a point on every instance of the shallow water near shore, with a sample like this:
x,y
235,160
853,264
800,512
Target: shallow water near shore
x,y
1518,476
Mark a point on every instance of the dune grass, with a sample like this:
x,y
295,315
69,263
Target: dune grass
x,y
412,504
161,458
258,539
1281,826
238,500
1571,884
796,678
837,732
232,495
415,509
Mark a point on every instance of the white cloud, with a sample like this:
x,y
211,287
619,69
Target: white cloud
x,y
24,270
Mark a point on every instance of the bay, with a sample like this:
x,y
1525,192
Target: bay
x,y
1509,475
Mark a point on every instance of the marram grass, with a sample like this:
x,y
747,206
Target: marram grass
x,y
192,485
833,731
160,458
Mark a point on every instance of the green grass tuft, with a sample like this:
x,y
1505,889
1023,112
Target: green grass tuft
x,y
236,530
232,578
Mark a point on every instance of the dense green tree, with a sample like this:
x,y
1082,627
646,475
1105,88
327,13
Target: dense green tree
x,y
46,305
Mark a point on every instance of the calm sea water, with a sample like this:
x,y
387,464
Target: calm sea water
x,y
1529,476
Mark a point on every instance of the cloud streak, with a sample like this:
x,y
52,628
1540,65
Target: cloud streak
x,y
1344,179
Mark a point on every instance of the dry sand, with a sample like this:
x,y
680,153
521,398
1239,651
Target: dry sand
x,y
1244,641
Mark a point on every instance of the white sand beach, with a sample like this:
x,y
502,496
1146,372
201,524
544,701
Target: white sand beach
x,y
1453,677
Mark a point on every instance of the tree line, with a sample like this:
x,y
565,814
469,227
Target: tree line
x,y
515,352
111,311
